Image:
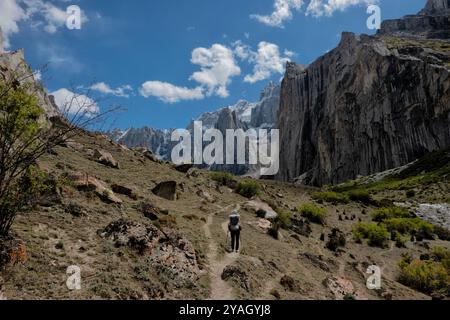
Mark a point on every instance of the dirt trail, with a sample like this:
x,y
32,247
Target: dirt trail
x,y
220,290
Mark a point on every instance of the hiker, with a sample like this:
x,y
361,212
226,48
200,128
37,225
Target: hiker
x,y
235,230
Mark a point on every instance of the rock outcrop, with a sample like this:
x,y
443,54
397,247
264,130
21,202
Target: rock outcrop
x,y
372,104
432,22
14,66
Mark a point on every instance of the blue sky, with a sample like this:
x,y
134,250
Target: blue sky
x,y
131,43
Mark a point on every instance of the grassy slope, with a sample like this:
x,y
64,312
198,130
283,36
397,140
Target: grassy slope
x,y
113,273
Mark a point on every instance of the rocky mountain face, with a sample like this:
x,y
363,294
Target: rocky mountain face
x,y
158,141
242,115
371,104
13,67
431,22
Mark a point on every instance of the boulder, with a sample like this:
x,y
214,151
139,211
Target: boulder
x,y
205,195
236,274
149,210
84,182
167,250
166,190
119,189
342,288
184,168
150,156
105,158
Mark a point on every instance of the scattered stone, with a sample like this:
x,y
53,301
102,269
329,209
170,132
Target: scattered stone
x,y
263,224
106,158
76,210
150,156
301,227
316,261
341,288
84,182
336,240
288,283
166,190
149,210
119,189
206,196
236,274
184,168
167,250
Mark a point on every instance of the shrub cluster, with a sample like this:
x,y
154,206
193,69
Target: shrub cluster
x,y
377,235
313,213
248,188
331,197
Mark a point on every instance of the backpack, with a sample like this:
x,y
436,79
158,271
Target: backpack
x,y
234,222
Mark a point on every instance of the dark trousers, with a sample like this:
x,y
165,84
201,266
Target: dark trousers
x,y
235,235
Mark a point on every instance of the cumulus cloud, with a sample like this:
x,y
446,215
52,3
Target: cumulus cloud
x,y
320,8
46,14
267,60
75,104
10,14
122,91
38,13
170,93
217,68
282,12
283,9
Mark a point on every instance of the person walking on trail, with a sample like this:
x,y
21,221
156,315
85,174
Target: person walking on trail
x,y
235,230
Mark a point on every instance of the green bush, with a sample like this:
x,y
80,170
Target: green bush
x,y
313,213
413,226
377,235
441,253
284,218
331,197
223,178
385,213
248,188
362,196
425,276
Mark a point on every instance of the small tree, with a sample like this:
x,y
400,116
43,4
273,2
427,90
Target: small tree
x,y
26,135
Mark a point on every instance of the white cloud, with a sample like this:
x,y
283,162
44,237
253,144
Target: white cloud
x,y
320,8
283,9
122,91
170,93
38,13
267,60
75,104
41,12
282,12
10,14
217,68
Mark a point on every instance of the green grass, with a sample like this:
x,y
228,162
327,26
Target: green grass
x,y
313,213
426,276
331,197
385,213
377,235
432,168
248,188
223,178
